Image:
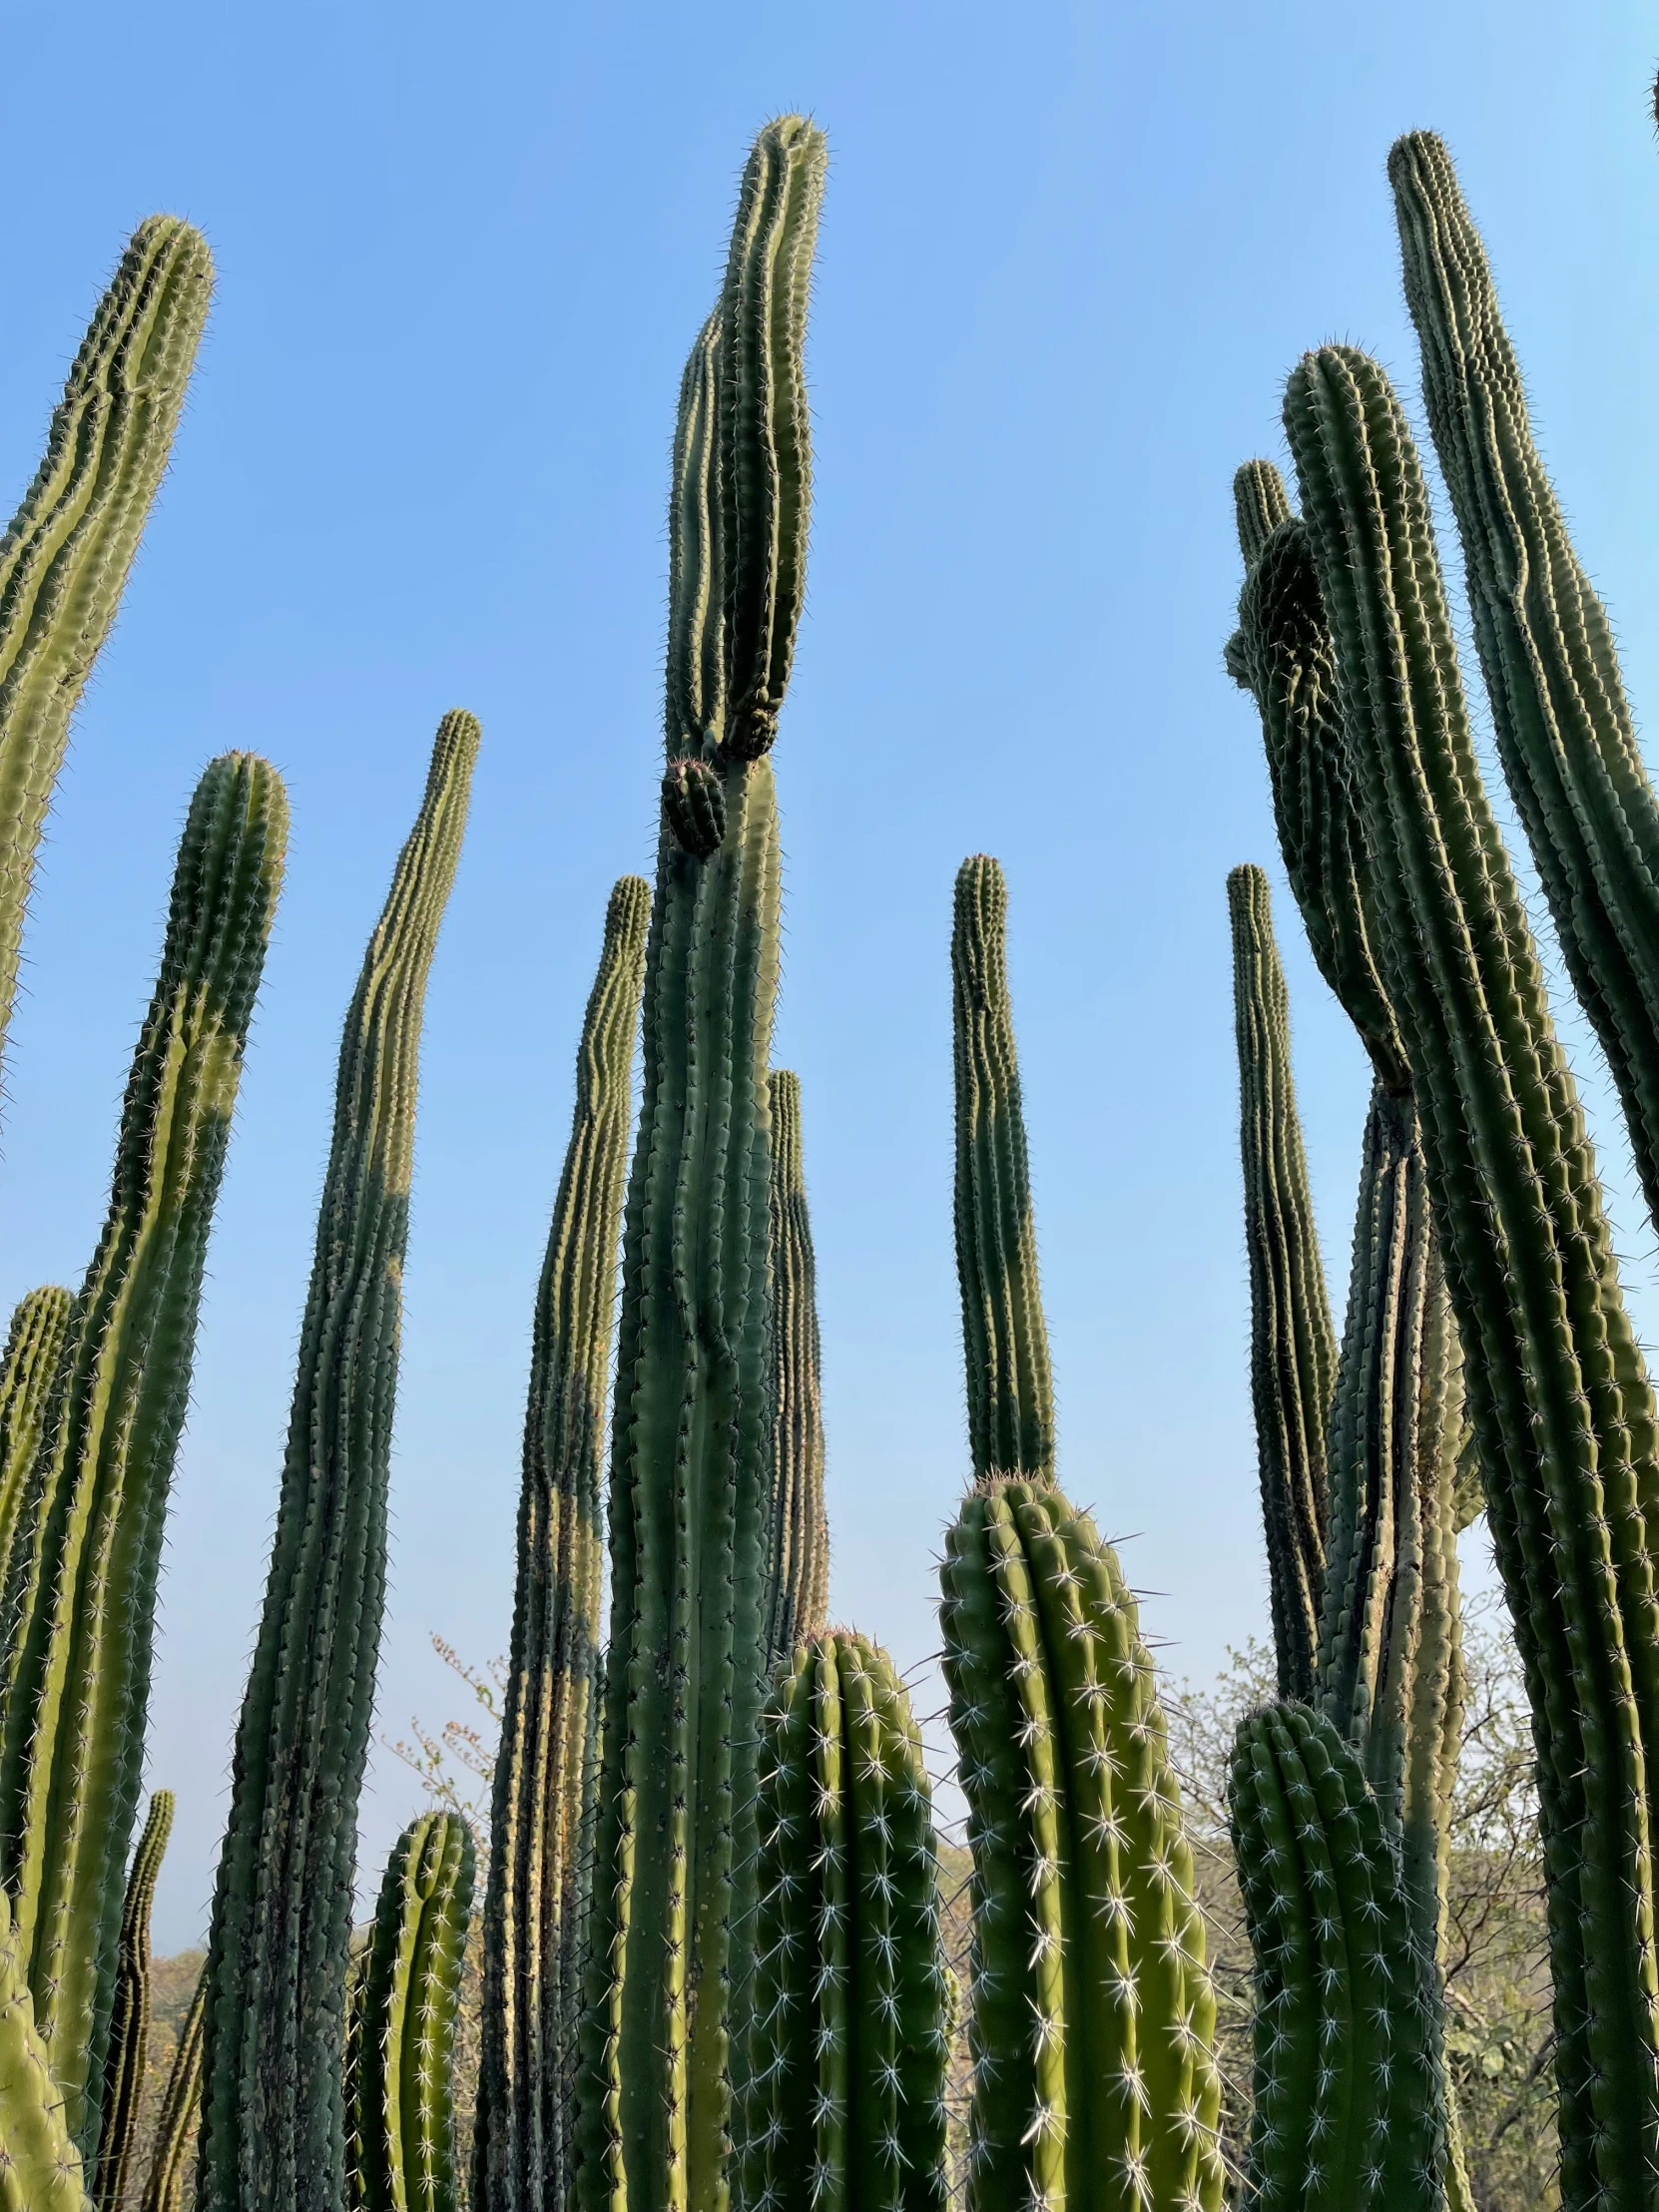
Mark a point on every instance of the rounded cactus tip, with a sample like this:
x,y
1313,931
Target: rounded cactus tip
x,y
693,803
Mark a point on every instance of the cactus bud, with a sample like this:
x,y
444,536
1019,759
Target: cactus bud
x,y
694,805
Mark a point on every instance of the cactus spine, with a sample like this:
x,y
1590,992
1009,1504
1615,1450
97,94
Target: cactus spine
x,y
672,1913
1010,1391
1349,2096
40,2167
272,2119
798,1545
1559,710
1293,1352
130,2026
164,2188
1557,1389
536,1898
65,556
81,1591
401,2045
40,1328
845,2082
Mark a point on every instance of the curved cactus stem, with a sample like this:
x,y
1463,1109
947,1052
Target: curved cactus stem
x,y
86,1553
66,554
1093,2018
849,2026
170,2162
1010,1389
797,1569
39,1332
1558,1391
400,2043
272,2122
40,2167
130,2023
536,1896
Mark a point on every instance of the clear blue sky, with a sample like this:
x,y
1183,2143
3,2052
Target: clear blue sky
x,y
1069,253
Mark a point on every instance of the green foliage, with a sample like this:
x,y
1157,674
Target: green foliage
x,y
124,2069
798,1545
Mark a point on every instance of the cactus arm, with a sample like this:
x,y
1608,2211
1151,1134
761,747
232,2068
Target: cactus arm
x,y
1293,1352
535,1899
40,2167
86,1554
130,2023
1006,1338
39,1331
164,2188
66,554
1558,1392
1559,710
798,1565
695,674
272,2122
1259,505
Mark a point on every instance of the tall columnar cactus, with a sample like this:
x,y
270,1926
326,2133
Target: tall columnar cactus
x,y
175,2136
271,2114
41,2168
1562,721
81,1587
673,1890
1293,1350
798,1567
1558,1392
130,2026
1010,1391
536,1896
66,553
401,2045
1349,2113
1095,2085
40,1328
844,2098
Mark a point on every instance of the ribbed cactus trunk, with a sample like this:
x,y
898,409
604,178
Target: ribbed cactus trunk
x,y
536,1898
40,1327
170,2164
67,551
1293,1350
1010,1390
80,1596
673,1891
129,2028
1557,1388
41,2170
272,2117
797,1542
845,2082
400,2044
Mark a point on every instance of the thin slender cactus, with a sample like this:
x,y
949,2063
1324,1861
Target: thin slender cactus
x,y
86,1554
39,1331
798,1572
272,2117
536,1898
130,2026
170,2161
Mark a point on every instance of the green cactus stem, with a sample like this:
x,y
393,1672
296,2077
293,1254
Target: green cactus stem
x,y
1093,2020
1558,1392
1259,507
1010,1390
170,2160
1561,715
1293,1348
535,1900
39,1331
40,2167
67,551
798,1572
400,2046
129,2025
1349,2093
850,2022
86,1553
672,1913
271,2112
693,805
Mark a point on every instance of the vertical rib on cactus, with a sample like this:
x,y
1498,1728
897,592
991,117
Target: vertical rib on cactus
x,y
170,2161
1092,2022
40,2170
81,1592
798,1570
672,1913
1557,1389
1010,1391
66,553
401,2045
272,2131
536,1895
130,2023
849,2028
1293,1351
39,1331
1559,710
1348,2103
